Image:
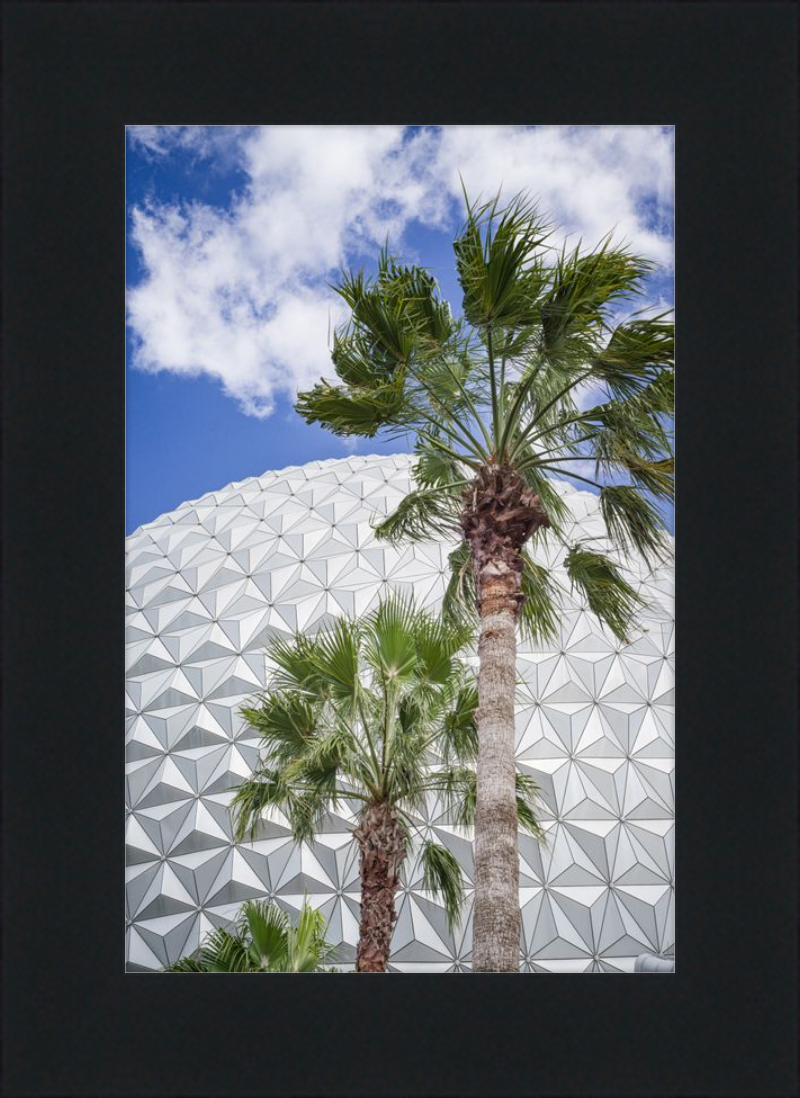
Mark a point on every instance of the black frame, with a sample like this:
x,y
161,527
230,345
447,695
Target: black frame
x,y
75,74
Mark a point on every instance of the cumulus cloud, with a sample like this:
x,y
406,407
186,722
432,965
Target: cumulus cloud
x,y
240,293
590,179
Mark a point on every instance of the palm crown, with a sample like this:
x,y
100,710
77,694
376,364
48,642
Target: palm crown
x,y
490,399
381,712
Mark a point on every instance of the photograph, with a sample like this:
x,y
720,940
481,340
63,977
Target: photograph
x,y
399,546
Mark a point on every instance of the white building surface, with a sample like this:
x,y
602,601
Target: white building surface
x,y
210,583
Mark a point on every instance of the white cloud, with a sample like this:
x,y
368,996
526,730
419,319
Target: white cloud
x,y
240,294
588,179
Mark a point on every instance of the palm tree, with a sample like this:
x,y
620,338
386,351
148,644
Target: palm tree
x,y
378,711
264,940
491,401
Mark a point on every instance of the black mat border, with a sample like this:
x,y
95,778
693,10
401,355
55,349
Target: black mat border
x,y
724,74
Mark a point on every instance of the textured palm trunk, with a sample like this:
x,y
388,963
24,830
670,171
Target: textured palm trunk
x,y
496,912
499,516
381,841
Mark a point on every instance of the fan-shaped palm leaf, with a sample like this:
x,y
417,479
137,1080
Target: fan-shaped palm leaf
x,y
442,876
607,593
263,939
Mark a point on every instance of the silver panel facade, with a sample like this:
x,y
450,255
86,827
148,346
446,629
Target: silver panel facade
x,y
210,583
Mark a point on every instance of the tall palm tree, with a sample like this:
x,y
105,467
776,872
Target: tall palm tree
x,y
263,939
491,401
379,711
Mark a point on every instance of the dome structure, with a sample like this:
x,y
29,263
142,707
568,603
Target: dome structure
x,y
210,583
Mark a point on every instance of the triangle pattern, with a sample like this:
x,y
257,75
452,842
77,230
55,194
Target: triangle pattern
x,y
208,586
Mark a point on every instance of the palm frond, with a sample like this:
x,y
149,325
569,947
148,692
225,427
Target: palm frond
x,y
286,721
263,939
658,396
552,501
293,659
186,964
349,411
378,318
266,926
266,788
622,431
458,739
397,313
406,757
442,876
437,645
608,595
451,385
656,477
306,947
434,468
517,344
333,655
457,787
224,951
305,811
415,294
389,642
632,521
527,792
583,286
636,354
353,364
322,764
540,395
458,605
499,264
420,515
538,615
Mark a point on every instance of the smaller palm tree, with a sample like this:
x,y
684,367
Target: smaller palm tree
x,y
382,712
263,939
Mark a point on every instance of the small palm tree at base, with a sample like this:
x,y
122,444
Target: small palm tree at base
x,y
380,711
263,939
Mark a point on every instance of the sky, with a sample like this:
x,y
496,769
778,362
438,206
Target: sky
x,y
233,234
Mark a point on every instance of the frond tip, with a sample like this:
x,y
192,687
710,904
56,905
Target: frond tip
x,y
539,612
265,789
458,605
420,515
527,792
632,521
442,876
353,410
610,597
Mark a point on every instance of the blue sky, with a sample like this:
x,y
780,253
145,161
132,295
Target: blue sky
x,y
234,232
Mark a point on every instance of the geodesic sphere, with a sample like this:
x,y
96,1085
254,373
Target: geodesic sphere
x,y
210,583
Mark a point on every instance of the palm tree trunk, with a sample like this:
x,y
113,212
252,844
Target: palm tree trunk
x,y
499,516
381,840
496,912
